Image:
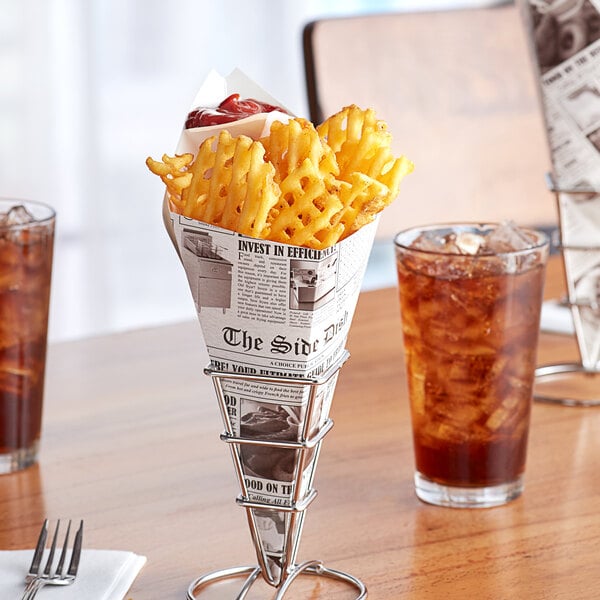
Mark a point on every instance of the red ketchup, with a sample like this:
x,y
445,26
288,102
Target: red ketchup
x,y
231,109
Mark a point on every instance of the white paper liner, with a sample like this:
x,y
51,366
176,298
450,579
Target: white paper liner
x,y
213,91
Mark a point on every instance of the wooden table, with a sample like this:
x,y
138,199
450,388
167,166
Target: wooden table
x,y
131,445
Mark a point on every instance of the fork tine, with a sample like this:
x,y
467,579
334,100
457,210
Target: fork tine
x,y
39,549
36,579
76,554
52,550
63,554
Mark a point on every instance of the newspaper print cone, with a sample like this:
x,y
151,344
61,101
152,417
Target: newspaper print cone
x,y
580,238
273,310
274,531
275,319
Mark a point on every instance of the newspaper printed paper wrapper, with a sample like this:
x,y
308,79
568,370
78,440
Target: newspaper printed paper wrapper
x,y
565,46
564,38
269,309
580,238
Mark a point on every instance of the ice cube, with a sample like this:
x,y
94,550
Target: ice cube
x,y
507,237
18,215
469,243
497,418
428,242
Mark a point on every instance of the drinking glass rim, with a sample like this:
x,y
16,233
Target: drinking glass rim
x,y
541,237
22,202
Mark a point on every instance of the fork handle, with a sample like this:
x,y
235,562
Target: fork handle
x,y
33,587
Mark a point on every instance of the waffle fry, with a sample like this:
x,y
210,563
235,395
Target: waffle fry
x,y
299,185
173,172
289,144
309,205
362,146
362,199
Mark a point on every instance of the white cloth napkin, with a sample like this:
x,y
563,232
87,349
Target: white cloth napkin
x,y
556,318
102,575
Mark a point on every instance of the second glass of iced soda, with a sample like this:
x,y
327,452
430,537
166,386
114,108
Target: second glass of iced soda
x,y
26,245
470,299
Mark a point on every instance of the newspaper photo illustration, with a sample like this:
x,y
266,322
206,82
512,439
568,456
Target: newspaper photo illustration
x,y
564,38
203,261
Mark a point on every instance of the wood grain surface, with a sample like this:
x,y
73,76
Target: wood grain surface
x,y
130,444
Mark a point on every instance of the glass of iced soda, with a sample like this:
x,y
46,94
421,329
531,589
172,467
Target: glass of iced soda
x,y
470,299
26,245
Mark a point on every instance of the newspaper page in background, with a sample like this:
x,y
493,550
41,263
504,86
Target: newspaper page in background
x,y
565,41
580,236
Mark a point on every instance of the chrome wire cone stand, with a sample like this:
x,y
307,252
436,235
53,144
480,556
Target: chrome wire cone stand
x,y
576,383
277,565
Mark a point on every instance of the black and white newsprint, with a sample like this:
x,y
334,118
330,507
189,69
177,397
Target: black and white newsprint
x,y
565,41
272,309
564,37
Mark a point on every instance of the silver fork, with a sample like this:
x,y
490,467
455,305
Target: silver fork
x,y
37,578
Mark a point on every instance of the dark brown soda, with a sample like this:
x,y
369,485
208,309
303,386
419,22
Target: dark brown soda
x,y
470,338
25,272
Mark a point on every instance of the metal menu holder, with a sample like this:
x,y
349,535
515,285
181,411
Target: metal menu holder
x,y
579,231
278,569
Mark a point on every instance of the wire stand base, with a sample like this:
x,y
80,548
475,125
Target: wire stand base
x,y
566,374
249,575
580,251
277,569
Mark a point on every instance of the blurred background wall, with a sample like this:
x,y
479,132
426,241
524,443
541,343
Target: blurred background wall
x,y
89,89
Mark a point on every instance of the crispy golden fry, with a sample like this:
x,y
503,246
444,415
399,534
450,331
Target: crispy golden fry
x,y
289,144
362,198
347,127
195,197
260,195
229,184
393,174
304,215
173,172
299,185
362,145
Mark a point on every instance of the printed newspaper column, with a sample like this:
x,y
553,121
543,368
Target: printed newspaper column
x,y
273,310
564,40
